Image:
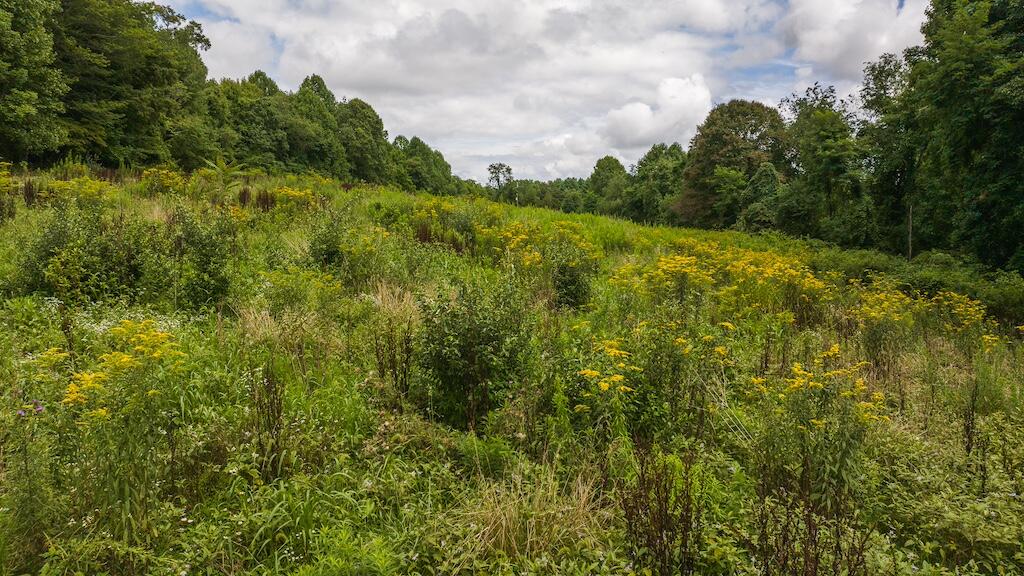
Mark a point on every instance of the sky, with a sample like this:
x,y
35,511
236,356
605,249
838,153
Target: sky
x,y
550,86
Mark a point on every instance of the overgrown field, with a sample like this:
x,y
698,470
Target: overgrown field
x,y
208,374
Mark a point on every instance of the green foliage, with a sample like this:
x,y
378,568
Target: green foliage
x,y
306,426
31,102
80,253
738,135
474,341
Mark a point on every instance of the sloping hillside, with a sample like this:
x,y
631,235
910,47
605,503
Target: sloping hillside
x,y
210,375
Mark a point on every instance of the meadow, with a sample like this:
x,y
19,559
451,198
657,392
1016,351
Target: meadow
x,y
220,373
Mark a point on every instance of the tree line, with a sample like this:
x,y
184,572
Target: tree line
x,y
929,155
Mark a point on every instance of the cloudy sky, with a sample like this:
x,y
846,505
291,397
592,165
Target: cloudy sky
x,y
549,86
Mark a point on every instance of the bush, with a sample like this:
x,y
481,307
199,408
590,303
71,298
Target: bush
x,y
199,250
474,339
83,254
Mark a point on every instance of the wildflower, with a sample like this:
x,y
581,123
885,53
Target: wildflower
x,y
89,380
51,357
721,351
832,352
73,395
616,378
604,385
989,342
588,373
708,338
118,361
728,326
531,258
624,389
98,414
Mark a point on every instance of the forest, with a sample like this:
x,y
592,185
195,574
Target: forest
x,y
245,331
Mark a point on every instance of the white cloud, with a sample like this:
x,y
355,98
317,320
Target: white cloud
x,y
550,86
839,36
239,46
681,104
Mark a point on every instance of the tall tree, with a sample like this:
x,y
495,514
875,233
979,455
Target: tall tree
x,y
132,67
427,169
658,176
499,177
970,84
893,140
366,141
740,135
312,128
33,87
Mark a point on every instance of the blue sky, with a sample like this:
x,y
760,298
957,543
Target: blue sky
x,y
550,86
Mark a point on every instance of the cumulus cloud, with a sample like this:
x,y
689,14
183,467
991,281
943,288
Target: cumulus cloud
x,y
681,104
838,37
550,86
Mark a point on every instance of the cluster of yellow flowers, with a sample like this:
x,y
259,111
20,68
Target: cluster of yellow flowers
x,y
512,241
989,342
616,366
141,342
752,279
433,209
83,188
883,305
290,196
6,182
525,245
679,273
843,381
961,313
365,241
162,181
146,340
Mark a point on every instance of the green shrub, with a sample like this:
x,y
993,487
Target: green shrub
x,y
199,246
81,253
474,339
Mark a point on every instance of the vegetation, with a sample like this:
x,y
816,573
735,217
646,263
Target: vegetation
x,y
243,332
295,376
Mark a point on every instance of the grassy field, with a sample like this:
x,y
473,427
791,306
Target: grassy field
x,y
205,375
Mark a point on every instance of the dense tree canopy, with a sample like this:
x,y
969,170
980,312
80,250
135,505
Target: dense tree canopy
x,y
33,87
739,135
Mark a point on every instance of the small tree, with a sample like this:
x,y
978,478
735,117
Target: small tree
x,y
500,176
473,339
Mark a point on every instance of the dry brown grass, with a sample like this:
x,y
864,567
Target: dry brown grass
x,y
535,513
